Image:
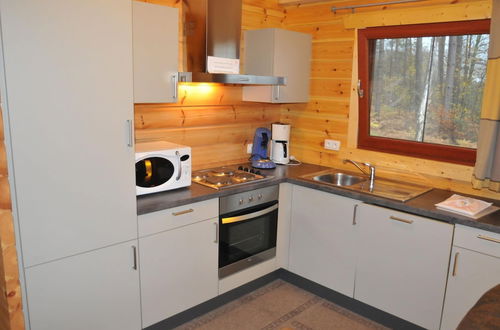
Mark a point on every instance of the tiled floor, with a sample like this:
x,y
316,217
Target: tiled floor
x,y
280,305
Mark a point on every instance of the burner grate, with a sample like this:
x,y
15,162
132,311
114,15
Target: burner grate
x,y
222,177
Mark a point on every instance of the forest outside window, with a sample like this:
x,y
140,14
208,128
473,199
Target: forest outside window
x,y
420,89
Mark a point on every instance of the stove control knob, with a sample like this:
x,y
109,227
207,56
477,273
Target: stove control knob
x,y
252,170
257,172
240,168
240,201
259,196
250,199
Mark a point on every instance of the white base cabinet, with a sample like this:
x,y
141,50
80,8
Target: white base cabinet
x,y
474,269
322,239
179,269
402,263
94,290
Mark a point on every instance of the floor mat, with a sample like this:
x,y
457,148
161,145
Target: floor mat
x,y
280,305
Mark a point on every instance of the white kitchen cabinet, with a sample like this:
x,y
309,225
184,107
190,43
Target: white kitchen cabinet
x,y
68,96
179,269
402,263
278,52
156,38
93,290
68,76
322,239
474,269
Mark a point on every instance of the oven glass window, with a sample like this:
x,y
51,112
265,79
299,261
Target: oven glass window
x,y
152,172
242,239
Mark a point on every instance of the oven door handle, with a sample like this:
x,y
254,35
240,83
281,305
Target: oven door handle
x,y
249,216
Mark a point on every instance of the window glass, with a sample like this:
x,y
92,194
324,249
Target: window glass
x,y
428,89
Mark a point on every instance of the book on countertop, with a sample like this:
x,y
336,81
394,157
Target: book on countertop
x,y
466,206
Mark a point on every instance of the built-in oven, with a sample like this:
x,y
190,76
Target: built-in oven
x,y
248,225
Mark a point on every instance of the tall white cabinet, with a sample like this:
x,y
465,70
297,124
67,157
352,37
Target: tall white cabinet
x,y
69,101
278,52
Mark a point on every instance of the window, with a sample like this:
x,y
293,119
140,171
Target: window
x,y
420,89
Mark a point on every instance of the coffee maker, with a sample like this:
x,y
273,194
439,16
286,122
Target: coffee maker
x,y
259,156
280,143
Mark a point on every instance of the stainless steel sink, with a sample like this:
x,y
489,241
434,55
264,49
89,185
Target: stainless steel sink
x,y
339,179
392,189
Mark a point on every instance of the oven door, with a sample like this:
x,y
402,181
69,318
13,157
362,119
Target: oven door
x,y
247,237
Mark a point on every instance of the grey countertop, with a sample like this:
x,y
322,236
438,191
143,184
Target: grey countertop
x,y
422,205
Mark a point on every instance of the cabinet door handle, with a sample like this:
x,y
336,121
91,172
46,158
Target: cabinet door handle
x,y
134,251
174,83
130,133
216,232
454,273
354,215
278,92
182,212
487,238
401,220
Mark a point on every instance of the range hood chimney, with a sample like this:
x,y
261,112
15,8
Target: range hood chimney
x,y
213,28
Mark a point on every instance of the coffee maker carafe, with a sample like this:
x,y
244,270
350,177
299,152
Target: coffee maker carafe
x,y
280,143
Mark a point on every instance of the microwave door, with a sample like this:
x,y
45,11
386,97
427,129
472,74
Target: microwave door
x,y
153,171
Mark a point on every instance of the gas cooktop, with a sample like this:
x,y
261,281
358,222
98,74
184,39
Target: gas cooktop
x,y
223,177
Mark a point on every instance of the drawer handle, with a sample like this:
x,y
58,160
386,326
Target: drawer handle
x,y
401,220
454,273
486,238
182,212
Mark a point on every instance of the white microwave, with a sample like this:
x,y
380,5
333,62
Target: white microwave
x,y
161,166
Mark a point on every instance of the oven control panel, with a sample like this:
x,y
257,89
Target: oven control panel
x,y
248,198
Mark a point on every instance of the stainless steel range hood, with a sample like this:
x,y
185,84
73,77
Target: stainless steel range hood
x,y
213,28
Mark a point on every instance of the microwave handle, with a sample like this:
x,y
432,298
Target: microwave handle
x,y
179,163
249,216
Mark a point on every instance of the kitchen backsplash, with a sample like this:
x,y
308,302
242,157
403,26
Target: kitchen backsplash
x,y
211,119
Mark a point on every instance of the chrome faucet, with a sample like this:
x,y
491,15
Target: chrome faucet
x,y
371,174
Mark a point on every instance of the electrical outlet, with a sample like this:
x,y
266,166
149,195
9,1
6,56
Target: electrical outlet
x,y
332,144
249,148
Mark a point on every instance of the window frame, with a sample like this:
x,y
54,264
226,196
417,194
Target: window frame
x,y
446,153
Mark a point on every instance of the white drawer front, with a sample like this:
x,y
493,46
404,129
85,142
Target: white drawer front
x,y
478,240
155,222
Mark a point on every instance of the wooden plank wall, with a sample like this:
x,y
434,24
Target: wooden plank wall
x,y
11,315
211,118
332,110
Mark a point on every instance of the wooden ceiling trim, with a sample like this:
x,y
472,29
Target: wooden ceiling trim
x,y
460,11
